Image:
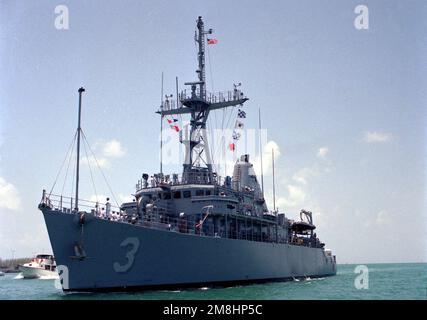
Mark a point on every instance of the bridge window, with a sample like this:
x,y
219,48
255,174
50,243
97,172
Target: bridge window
x,y
200,193
177,195
208,192
166,195
186,194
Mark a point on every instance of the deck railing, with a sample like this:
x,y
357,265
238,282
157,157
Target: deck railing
x,y
175,179
159,221
214,97
211,97
68,204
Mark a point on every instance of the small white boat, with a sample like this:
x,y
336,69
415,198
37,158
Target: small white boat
x,y
1,273
43,265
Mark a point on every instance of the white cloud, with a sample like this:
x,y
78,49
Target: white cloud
x,y
382,218
289,196
125,198
267,158
109,149
94,163
377,137
101,198
113,149
322,152
303,174
296,197
9,196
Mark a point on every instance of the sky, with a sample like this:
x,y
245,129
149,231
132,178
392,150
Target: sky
x,y
343,108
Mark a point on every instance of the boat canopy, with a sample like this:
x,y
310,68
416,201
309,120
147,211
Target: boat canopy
x,y
300,226
44,256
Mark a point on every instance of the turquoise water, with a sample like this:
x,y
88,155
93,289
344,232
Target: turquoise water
x,y
386,281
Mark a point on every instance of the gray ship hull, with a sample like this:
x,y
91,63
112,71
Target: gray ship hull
x,y
122,256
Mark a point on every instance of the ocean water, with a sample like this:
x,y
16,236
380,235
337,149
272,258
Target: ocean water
x,y
386,281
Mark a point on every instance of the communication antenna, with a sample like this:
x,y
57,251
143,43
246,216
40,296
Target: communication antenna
x,y
177,95
161,130
274,184
260,150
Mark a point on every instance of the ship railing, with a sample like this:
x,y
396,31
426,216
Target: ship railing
x,y
67,204
194,228
305,242
225,96
171,104
198,178
213,97
176,179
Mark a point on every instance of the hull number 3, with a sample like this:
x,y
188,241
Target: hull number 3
x,y
132,243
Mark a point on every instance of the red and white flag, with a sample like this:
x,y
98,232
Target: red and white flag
x,y
172,125
212,41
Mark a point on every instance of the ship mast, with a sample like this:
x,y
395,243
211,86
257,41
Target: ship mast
x,y
197,103
201,56
79,129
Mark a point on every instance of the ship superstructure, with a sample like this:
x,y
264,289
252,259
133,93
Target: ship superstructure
x,y
184,229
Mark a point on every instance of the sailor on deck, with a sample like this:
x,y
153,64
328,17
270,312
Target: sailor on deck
x,y
108,208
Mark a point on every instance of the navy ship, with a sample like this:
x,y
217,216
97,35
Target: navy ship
x,y
183,230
